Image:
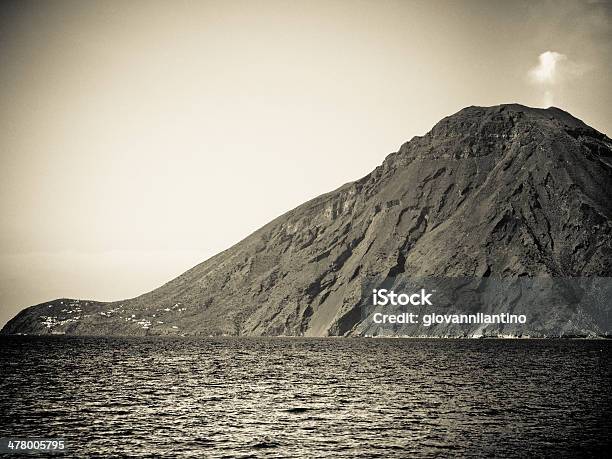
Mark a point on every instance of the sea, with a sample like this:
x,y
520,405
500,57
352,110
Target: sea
x,y
302,398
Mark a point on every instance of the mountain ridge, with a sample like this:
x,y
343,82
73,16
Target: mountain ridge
x,y
507,191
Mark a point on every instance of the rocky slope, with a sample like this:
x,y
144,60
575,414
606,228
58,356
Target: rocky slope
x,y
491,192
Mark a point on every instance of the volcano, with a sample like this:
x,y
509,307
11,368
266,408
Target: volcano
x,y
505,192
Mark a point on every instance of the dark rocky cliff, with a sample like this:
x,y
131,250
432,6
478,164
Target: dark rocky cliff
x,y
496,192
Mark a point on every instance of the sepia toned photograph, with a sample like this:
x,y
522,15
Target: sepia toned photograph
x,y
305,228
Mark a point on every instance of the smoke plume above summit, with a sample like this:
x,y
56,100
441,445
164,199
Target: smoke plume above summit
x,y
552,70
547,69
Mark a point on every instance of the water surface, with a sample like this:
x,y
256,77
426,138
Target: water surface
x,y
283,397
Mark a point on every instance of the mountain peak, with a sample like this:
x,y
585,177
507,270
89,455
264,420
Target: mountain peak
x,y
509,115
522,111
478,131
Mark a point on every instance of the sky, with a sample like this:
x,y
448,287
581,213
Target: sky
x,y
137,139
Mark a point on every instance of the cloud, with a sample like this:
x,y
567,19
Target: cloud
x,y
547,69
